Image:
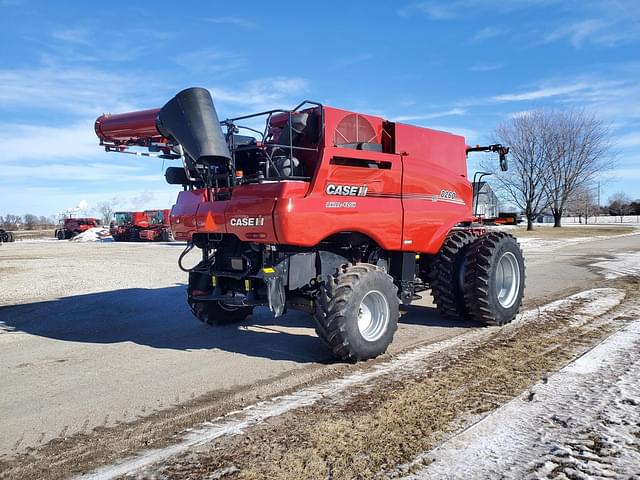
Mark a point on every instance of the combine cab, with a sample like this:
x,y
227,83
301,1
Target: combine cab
x,y
337,213
157,228
74,226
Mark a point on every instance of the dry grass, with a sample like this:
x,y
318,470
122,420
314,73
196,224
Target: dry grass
x,y
570,232
378,430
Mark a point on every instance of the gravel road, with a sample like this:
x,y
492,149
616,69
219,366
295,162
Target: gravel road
x,y
99,335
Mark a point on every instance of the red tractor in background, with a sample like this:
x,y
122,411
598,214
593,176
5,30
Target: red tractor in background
x,y
157,227
337,213
125,226
75,226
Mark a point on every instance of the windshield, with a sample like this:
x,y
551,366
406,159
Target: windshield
x,y
121,218
155,217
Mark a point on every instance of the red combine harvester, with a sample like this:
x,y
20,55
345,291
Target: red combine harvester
x,y
150,225
157,227
126,226
340,214
75,226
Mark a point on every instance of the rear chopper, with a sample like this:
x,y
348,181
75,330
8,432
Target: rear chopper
x,y
339,214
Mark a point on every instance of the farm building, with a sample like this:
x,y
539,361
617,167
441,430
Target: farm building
x,y
487,206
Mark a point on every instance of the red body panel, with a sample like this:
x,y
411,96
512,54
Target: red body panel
x,y
434,162
417,191
155,223
183,214
80,224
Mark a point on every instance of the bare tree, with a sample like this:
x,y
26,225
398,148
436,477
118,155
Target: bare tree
x,y
30,221
619,204
12,221
106,210
525,183
582,202
580,148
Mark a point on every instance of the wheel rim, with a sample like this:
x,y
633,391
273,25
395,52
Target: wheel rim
x,y
373,316
507,280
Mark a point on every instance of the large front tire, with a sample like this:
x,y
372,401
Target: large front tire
x,y
215,313
357,312
494,279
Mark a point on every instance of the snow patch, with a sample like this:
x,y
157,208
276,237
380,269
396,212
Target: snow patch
x,y
580,307
95,234
623,264
536,244
584,422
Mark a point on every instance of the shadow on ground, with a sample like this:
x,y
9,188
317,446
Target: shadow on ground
x,y
160,318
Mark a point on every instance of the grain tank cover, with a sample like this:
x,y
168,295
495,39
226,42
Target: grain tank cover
x,y
191,120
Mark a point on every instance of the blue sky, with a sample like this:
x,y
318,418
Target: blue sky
x,y
460,65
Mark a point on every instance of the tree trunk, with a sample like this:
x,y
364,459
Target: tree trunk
x,y
529,222
557,216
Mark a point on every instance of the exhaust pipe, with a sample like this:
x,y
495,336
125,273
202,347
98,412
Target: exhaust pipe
x,y
191,120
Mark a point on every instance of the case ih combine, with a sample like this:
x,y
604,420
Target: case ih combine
x,y
74,226
157,227
125,226
150,225
340,214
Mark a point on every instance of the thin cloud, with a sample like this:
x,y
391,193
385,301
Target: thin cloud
x,y
468,133
488,33
97,172
460,8
540,93
578,33
73,35
429,116
354,59
431,10
233,21
210,60
22,142
629,140
486,67
262,94
76,90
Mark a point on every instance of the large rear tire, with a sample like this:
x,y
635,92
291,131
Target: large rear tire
x,y
60,235
357,312
446,276
494,279
215,313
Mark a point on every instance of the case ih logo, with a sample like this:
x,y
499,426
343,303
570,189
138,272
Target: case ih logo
x,y
347,190
247,222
